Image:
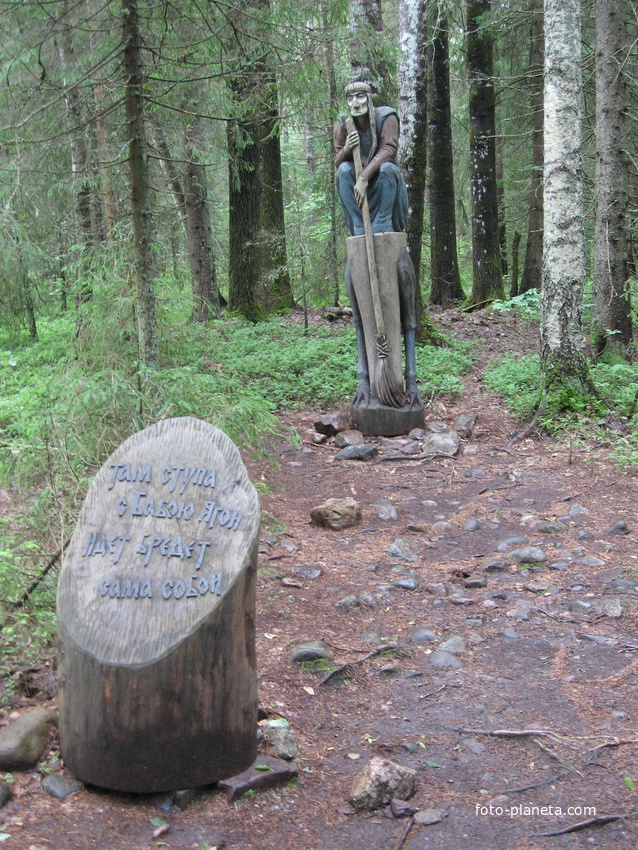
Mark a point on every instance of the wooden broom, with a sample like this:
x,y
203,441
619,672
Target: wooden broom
x,y
389,389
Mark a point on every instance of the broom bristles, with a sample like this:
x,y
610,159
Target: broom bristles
x,y
389,389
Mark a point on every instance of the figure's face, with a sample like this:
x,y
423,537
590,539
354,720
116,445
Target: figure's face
x,y
357,104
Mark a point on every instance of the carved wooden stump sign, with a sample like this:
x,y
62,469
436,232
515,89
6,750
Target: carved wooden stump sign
x,y
156,607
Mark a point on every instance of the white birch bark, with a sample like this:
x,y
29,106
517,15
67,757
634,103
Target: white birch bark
x,y
408,75
562,342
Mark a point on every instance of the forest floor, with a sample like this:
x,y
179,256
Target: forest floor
x,y
548,657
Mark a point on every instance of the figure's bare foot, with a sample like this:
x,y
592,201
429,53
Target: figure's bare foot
x,y
362,395
411,396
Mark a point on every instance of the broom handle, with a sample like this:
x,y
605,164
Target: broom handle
x,y
367,229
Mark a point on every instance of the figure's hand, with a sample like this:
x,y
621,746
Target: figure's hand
x,y
360,190
362,395
411,396
352,141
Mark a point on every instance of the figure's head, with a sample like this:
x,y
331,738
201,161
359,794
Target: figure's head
x,y
359,99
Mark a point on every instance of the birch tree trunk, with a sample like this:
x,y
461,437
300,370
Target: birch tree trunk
x,y
148,344
487,282
444,268
612,318
563,364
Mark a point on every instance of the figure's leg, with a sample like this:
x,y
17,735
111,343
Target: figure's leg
x,y
345,181
362,395
407,300
387,200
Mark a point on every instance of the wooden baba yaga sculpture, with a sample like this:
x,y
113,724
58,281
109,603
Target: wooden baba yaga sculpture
x,y
380,276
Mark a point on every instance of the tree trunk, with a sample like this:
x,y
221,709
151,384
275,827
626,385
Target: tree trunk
x,y
140,187
106,178
244,210
276,290
198,234
563,364
487,282
444,269
533,268
612,319
80,166
366,62
413,138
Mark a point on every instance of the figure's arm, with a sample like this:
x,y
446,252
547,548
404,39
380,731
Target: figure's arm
x,y
344,144
388,145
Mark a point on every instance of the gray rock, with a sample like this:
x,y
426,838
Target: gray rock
x,y
365,452
337,513
401,809
308,572
600,640
442,527
464,425
441,659
400,549
590,561
454,645
608,608
59,785
474,473
435,589
559,565
475,581
411,448
442,444
496,566
386,510
310,650
527,555
509,634
319,439
417,434
407,583
184,797
349,602
428,817
379,782
471,525
583,534
289,546
619,527
474,746
424,636
23,741
623,585
548,527
5,793
579,606
332,424
370,637
349,438
521,611
282,739
508,542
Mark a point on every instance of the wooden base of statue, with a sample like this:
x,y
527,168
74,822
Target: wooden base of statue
x,y
376,419
156,616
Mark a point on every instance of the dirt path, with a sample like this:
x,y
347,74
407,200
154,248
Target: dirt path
x,y
548,650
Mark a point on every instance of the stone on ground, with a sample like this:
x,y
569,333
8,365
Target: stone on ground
x,y
379,782
337,513
23,741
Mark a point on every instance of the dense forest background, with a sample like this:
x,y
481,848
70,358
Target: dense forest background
x,y
167,192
